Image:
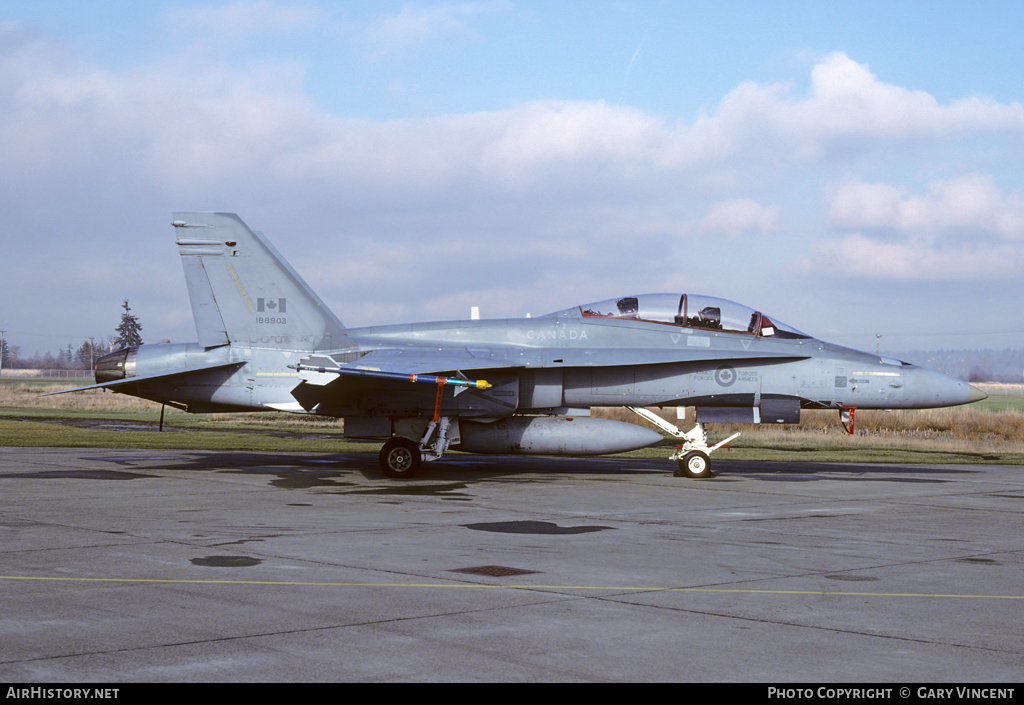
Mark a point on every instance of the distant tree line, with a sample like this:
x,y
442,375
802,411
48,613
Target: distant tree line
x,y
972,365
127,333
66,358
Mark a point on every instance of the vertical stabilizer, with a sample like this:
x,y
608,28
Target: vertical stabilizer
x,y
243,291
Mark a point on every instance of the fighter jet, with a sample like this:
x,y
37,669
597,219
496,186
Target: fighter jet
x,y
510,386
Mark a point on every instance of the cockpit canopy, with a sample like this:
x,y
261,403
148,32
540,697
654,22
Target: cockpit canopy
x,y
691,311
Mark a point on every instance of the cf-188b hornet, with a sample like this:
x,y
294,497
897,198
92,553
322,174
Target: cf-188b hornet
x,y
522,386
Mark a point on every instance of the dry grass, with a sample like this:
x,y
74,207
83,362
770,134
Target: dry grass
x,y
1000,388
956,423
965,426
24,394
955,435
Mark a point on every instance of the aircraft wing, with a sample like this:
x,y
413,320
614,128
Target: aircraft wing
x,y
329,379
398,363
128,381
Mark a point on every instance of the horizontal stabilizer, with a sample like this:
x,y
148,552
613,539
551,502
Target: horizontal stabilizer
x,y
119,383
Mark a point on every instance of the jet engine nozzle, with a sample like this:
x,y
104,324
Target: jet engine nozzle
x,y
119,364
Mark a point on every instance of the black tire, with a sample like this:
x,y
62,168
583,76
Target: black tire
x,y
696,465
400,458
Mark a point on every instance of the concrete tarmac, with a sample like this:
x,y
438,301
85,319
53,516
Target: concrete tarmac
x,y
181,566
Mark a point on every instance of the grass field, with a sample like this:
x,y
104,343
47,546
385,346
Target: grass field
x,y
991,431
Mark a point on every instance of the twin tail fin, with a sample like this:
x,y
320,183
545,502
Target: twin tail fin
x,y
243,292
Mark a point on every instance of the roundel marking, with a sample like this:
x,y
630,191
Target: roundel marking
x,y
725,376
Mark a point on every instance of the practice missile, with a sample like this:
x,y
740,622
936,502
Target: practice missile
x,y
398,376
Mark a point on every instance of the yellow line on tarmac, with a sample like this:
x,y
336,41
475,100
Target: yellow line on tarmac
x,y
470,586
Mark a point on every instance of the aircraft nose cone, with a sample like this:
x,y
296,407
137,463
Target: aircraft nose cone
x,y
928,389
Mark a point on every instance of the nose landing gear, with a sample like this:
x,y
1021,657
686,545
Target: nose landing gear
x,y
694,455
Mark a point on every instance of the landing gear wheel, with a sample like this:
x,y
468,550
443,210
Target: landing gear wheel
x,y
400,458
695,464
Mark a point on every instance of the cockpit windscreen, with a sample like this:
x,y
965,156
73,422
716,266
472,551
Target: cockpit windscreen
x,y
692,311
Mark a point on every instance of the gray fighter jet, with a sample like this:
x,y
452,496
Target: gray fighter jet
x,y
267,342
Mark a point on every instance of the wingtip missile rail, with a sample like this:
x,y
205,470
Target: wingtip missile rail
x,y
397,376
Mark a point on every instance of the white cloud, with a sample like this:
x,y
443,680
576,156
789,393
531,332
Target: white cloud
x,y
742,215
242,18
858,256
846,111
202,124
559,201
971,203
408,30
847,99
964,228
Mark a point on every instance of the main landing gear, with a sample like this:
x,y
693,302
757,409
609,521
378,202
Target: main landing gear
x,y
400,458
694,455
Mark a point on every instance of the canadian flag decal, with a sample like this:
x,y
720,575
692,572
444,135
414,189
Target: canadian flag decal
x,y
271,305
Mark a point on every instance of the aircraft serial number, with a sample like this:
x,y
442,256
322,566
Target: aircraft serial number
x,y
271,319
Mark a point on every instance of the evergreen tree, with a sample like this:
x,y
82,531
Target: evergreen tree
x,y
87,355
12,356
66,358
128,333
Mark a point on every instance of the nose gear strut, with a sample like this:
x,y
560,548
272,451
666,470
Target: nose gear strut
x,y
694,453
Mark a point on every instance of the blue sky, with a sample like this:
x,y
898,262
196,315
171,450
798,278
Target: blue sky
x,y
850,168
